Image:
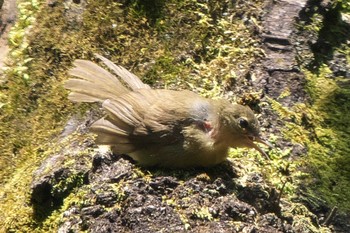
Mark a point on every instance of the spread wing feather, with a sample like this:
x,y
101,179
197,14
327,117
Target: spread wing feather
x,y
122,114
110,134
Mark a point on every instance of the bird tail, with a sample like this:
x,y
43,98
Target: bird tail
x,y
95,84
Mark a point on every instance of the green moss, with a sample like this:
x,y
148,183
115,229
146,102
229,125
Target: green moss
x,y
329,156
66,185
324,130
203,213
151,9
303,219
76,198
118,189
285,93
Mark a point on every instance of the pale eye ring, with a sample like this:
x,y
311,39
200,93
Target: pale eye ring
x,y
243,123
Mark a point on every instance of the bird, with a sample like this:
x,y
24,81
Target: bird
x,y
161,127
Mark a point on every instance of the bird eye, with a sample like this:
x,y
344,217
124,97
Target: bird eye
x,y
243,123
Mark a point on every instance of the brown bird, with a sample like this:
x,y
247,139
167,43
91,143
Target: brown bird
x,y
158,127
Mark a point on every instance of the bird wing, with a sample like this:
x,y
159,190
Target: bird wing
x,y
146,118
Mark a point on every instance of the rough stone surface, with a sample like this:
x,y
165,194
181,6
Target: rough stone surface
x,y
8,13
280,64
168,201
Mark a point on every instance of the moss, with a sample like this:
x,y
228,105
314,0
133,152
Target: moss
x,y
286,92
66,185
203,213
151,9
78,197
171,49
119,191
323,129
330,154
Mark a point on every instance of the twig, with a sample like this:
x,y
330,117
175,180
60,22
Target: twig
x,y
330,216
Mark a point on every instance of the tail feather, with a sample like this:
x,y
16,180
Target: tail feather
x,y
93,73
132,80
79,97
97,84
87,88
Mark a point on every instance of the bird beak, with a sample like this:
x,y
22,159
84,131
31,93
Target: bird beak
x,y
262,141
256,147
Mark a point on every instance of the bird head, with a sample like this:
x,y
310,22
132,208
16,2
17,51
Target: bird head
x,y
240,128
